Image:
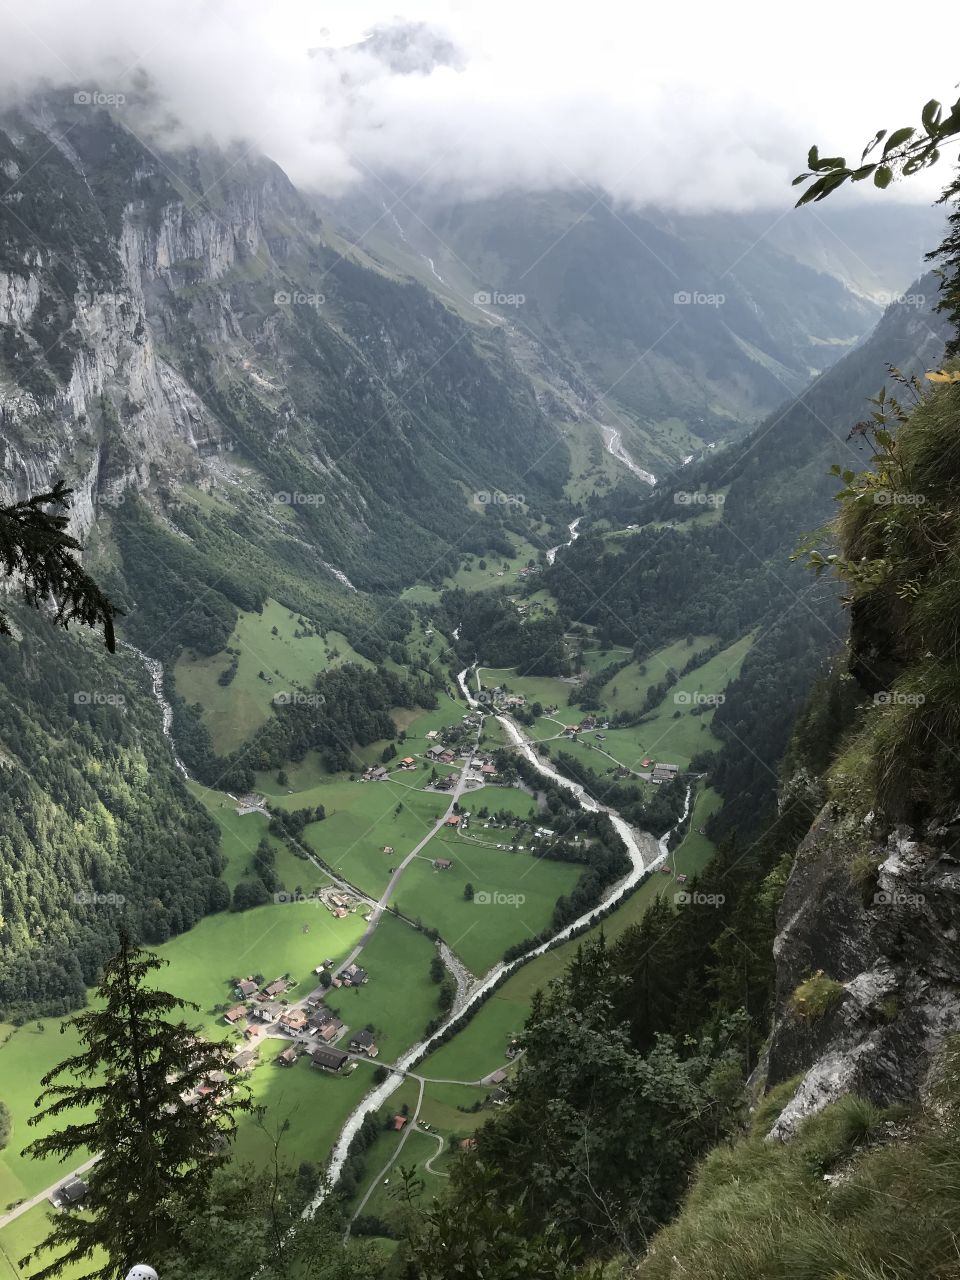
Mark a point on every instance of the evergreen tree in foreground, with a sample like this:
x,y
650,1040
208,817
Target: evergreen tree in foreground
x,y
35,545
147,1097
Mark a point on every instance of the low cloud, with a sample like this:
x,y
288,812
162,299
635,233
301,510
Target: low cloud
x,y
696,107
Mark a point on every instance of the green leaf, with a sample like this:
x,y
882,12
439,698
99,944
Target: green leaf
x,y
931,117
870,145
864,171
813,157
883,177
896,138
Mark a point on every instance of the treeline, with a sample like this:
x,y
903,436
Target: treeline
x,y
657,814
97,830
491,628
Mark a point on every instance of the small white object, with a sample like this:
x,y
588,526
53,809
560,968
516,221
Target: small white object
x,y
142,1272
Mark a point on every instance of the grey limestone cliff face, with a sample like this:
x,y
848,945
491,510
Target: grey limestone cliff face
x,y
124,409
879,912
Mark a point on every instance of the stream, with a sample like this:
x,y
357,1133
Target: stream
x,y
614,443
572,527
155,670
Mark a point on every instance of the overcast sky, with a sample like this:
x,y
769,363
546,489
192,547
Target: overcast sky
x,y
688,104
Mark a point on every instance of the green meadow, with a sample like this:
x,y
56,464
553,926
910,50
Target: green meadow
x,y
479,931
267,643
400,998
479,1048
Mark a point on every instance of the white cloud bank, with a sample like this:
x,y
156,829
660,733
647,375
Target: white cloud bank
x,y
690,105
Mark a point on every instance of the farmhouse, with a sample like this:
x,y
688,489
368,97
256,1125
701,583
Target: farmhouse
x,y
276,988
235,1014
388,849
376,773
69,1193
354,976
363,1042
293,1021
244,1060
398,1122
435,752
288,1057
328,1059
453,820
246,988
498,1077
664,773
267,1011
408,762
442,864
488,770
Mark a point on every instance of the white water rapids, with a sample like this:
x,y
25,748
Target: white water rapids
x,y
572,528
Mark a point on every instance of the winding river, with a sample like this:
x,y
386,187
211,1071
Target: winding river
x,y
645,855
641,864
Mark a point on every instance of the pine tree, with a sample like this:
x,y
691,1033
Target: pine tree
x,y
157,1113
34,543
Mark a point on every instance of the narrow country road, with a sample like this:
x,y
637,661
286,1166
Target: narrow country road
x,y
39,1198
410,1126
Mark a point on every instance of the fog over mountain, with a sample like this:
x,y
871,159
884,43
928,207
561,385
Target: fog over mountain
x,y
684,107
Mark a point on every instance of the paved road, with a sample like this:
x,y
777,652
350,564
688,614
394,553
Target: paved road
x,y
409,1128
441,822
41,1196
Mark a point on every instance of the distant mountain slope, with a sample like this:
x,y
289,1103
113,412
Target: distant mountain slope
x,y
712,551
764,307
